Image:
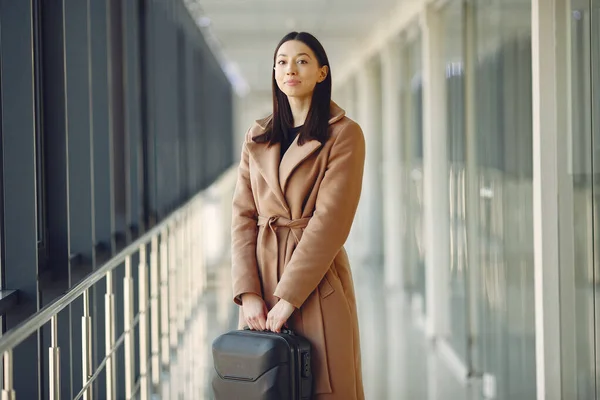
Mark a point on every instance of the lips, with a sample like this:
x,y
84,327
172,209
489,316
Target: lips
x,y
292,82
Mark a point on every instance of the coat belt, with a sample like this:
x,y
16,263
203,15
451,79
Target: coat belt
x,y
312,316
278,221
270,260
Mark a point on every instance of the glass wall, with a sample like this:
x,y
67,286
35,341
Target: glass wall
x,y
577,207
412,115
453,27
595,154
502,164
486,47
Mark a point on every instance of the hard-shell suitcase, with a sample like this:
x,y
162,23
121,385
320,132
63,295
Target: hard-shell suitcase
x,y
254,365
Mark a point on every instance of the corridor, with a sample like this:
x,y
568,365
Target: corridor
x,y
474,250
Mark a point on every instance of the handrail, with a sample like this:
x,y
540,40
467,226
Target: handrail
x,y
172,278
21,332
105,360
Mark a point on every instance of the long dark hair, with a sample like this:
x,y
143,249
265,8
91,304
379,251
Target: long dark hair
x,y
316,125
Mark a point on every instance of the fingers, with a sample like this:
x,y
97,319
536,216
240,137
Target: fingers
x,y
251,324
268,324
279,315
263,318
262,322
274,322
257,322
255,313
270,316
277,326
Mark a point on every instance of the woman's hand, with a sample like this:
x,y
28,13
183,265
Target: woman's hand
x,y
255,311
279,315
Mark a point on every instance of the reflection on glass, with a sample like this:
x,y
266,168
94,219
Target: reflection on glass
x,y
595,154
576,202
503,136
412,110
452,17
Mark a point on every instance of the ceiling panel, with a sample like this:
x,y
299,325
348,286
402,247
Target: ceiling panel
x,y
247,31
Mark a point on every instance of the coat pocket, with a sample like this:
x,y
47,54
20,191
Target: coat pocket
x,y
325,288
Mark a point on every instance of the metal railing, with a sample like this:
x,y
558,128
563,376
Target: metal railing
x,y
172,279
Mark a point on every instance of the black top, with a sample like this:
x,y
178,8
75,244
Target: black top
x,y
288,138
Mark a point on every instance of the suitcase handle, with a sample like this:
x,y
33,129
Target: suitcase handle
x,y
283,330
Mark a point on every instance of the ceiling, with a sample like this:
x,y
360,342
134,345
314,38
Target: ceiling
x,y
247,31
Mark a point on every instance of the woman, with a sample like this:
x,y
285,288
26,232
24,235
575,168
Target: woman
x,y
299,183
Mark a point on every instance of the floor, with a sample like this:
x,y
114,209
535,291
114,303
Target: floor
x,y
398,362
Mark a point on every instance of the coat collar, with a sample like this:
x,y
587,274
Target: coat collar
x,y
335,114
276,172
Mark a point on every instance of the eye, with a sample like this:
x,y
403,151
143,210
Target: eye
x,y
303,61
280,62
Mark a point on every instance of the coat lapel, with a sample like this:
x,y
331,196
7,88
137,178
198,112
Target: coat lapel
x,y
267,159
293,157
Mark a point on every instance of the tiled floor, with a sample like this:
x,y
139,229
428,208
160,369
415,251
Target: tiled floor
x,y
398,362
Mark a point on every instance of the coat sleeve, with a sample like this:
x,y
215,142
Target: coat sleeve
x,y
329,227
244,266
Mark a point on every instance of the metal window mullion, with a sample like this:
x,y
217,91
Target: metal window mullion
x,y
546,63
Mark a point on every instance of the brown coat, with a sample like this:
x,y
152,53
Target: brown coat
x,y
290,221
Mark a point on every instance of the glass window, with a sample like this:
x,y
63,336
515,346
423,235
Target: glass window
x,y
502,168
576,204
452,18
412,112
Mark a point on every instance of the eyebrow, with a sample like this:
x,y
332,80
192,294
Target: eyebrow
x,y
300,54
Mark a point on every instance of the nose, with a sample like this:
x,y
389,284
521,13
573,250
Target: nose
x,y
291,69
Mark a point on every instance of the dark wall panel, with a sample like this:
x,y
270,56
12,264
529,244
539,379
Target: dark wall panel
x,y
131,59
119,117
79,135
148,56
101,170
54,127
19,233
100,131
192,130
55,141
79,128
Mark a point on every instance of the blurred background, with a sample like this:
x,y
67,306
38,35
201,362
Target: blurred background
x,y
475,253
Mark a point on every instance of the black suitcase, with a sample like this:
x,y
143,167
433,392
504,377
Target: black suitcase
x,y
254,365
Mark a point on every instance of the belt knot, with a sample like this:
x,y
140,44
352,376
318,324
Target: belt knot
x,y
277,221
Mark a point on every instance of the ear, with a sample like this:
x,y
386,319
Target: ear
x,y
323,71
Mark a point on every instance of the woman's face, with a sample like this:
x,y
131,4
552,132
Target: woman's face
x,y
297,70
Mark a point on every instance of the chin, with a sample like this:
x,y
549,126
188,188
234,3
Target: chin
x,y
298,95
